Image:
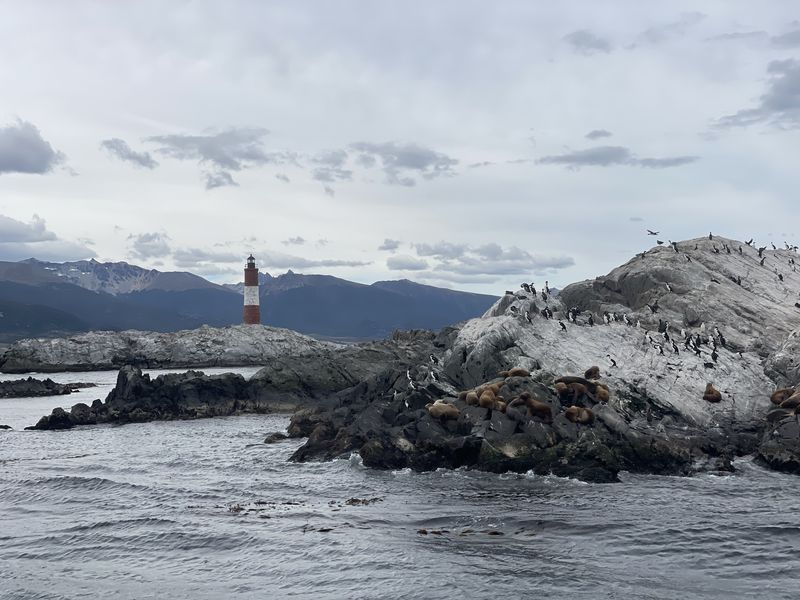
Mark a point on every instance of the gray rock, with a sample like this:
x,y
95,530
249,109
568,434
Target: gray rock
x,y
241,345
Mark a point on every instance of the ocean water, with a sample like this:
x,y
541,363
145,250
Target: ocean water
x,y
203,509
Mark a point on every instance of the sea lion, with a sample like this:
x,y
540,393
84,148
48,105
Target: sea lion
x,y
472,398
591,386
480,389
592,373
578,414
712,394
495,388
778,414
519,372
463,396
792,402
442,410
602,394
500,405
780,395
536,408
487,399
502,374
574,389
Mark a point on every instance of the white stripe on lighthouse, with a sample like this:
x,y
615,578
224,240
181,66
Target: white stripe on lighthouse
x,y
251,295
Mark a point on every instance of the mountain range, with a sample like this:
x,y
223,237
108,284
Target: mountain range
x,y
45,299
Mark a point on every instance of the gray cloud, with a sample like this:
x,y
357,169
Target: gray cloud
x,y
478,165
493,260
283,177
332,167
779,105
149,245
586,42
19,241
389,245
738,35
223,152
120,149
406,263
219,179
441,250
12,230
636,219
197,259
294,241
329,191
596,134
607,156
285,261
23,150
663,33
400,161
790,39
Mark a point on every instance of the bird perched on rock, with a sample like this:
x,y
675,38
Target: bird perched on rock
x,y
591,319
561,324
613,362
528,317
433,359
659,242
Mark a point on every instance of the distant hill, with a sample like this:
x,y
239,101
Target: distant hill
x,y
53,298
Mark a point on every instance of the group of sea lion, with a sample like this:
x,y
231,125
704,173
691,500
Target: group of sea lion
x,y
570,389
786,402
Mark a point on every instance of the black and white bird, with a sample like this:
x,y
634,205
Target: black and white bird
x,y
716,331
669,287
528,317
547,287
626,319
606,318
433,359
714,355
649,232
434,377
408,375
561,324
513,309
613,362
526,287
590,320
675,347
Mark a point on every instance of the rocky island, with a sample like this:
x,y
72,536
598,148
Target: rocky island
x,y
665,365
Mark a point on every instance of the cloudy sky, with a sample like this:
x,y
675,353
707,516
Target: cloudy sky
x,y
472,145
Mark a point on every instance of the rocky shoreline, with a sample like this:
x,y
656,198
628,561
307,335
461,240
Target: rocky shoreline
x,y
30,388
685,366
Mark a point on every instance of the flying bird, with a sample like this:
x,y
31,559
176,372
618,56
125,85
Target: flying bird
x,y
649,232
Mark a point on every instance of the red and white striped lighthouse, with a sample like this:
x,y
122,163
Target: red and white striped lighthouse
x,y
252,313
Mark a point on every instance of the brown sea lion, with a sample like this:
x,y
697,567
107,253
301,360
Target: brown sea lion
x,y
536,408
463,396
592,373
591,386
578,414
487,399
495,387
562,389
778,414
519,372
442,410
712,394
780,395
500,405
472,398
502,374
602,394
792,402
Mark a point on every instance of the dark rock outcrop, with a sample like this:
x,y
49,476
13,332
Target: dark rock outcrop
x,y
287,383
30,387
4,427
388,425
780,445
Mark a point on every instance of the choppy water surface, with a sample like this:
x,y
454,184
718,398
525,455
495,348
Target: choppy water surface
x,y
202,509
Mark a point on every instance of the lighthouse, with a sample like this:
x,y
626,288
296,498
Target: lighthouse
x,y
252,313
